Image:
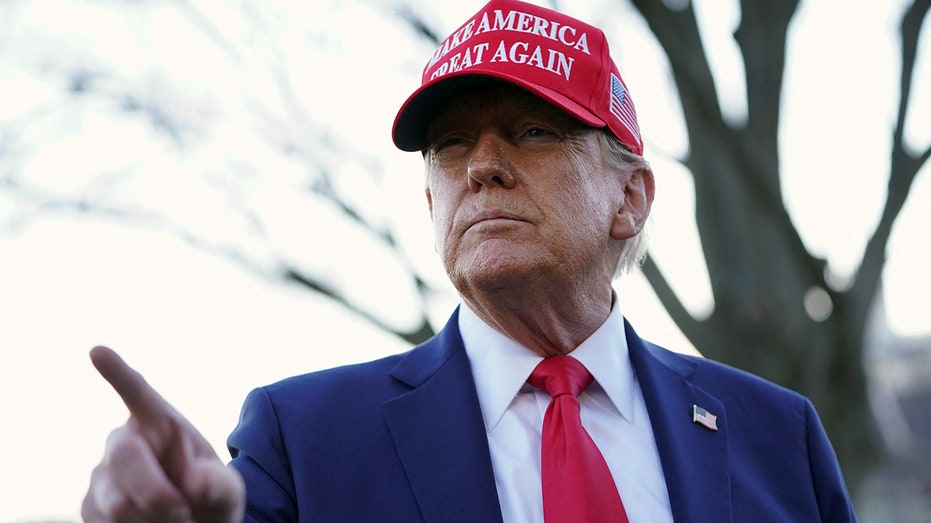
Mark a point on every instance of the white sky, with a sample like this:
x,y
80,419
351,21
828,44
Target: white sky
x,y
204,331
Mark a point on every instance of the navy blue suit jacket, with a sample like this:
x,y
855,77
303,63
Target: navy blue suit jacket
x,y
402,439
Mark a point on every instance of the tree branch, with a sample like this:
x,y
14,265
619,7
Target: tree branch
x,y
761,38
904,168
909,31
415,336
693,329
677,31
420,26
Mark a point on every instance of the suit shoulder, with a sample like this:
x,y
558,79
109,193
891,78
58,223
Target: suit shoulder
x,y
723,379
404,369
336,380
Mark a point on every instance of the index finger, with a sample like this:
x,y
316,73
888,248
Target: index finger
x,y
143,402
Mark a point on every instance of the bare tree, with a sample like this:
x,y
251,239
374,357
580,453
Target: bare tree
x,y
759,268
82,80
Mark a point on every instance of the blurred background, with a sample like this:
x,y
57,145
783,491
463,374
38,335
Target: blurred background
x,y
210,188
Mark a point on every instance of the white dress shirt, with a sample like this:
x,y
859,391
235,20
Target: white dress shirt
x,y
613,413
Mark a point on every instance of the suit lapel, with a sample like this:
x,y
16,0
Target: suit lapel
x,y
694,458
439,434
440,438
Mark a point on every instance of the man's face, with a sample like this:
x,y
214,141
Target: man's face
x,y
519,194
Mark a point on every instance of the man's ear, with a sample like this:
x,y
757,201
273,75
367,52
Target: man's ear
x,y
635,208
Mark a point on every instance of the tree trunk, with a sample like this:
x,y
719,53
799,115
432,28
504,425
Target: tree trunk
x,y
760,271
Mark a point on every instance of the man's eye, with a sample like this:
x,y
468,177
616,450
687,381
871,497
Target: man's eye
x,y
453,140
539,133
447,141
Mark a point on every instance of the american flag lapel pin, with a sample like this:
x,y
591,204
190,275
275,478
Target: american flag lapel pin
x,y
703,417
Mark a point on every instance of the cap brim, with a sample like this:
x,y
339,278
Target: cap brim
x,y
410,125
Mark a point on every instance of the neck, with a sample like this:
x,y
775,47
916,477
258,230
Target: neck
x,y
548,322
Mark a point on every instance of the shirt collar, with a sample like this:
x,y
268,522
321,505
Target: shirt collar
x,y
501,366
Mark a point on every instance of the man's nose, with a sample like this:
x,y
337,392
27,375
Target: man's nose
x,y
489,164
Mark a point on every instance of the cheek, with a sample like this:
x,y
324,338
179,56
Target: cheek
x,y
441,212
583,195
585,216
440,231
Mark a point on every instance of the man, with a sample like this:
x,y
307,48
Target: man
x,y
538,192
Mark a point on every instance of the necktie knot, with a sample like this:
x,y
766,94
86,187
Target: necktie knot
x,y
559,375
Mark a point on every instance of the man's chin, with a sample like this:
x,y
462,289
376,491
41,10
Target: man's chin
x,y
495,271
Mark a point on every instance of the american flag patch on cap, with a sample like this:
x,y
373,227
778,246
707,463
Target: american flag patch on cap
x,y
623,107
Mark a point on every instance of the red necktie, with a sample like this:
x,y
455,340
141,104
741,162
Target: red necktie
x,y
577,485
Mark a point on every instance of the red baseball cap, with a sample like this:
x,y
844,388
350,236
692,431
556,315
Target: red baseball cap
x,y
556,57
